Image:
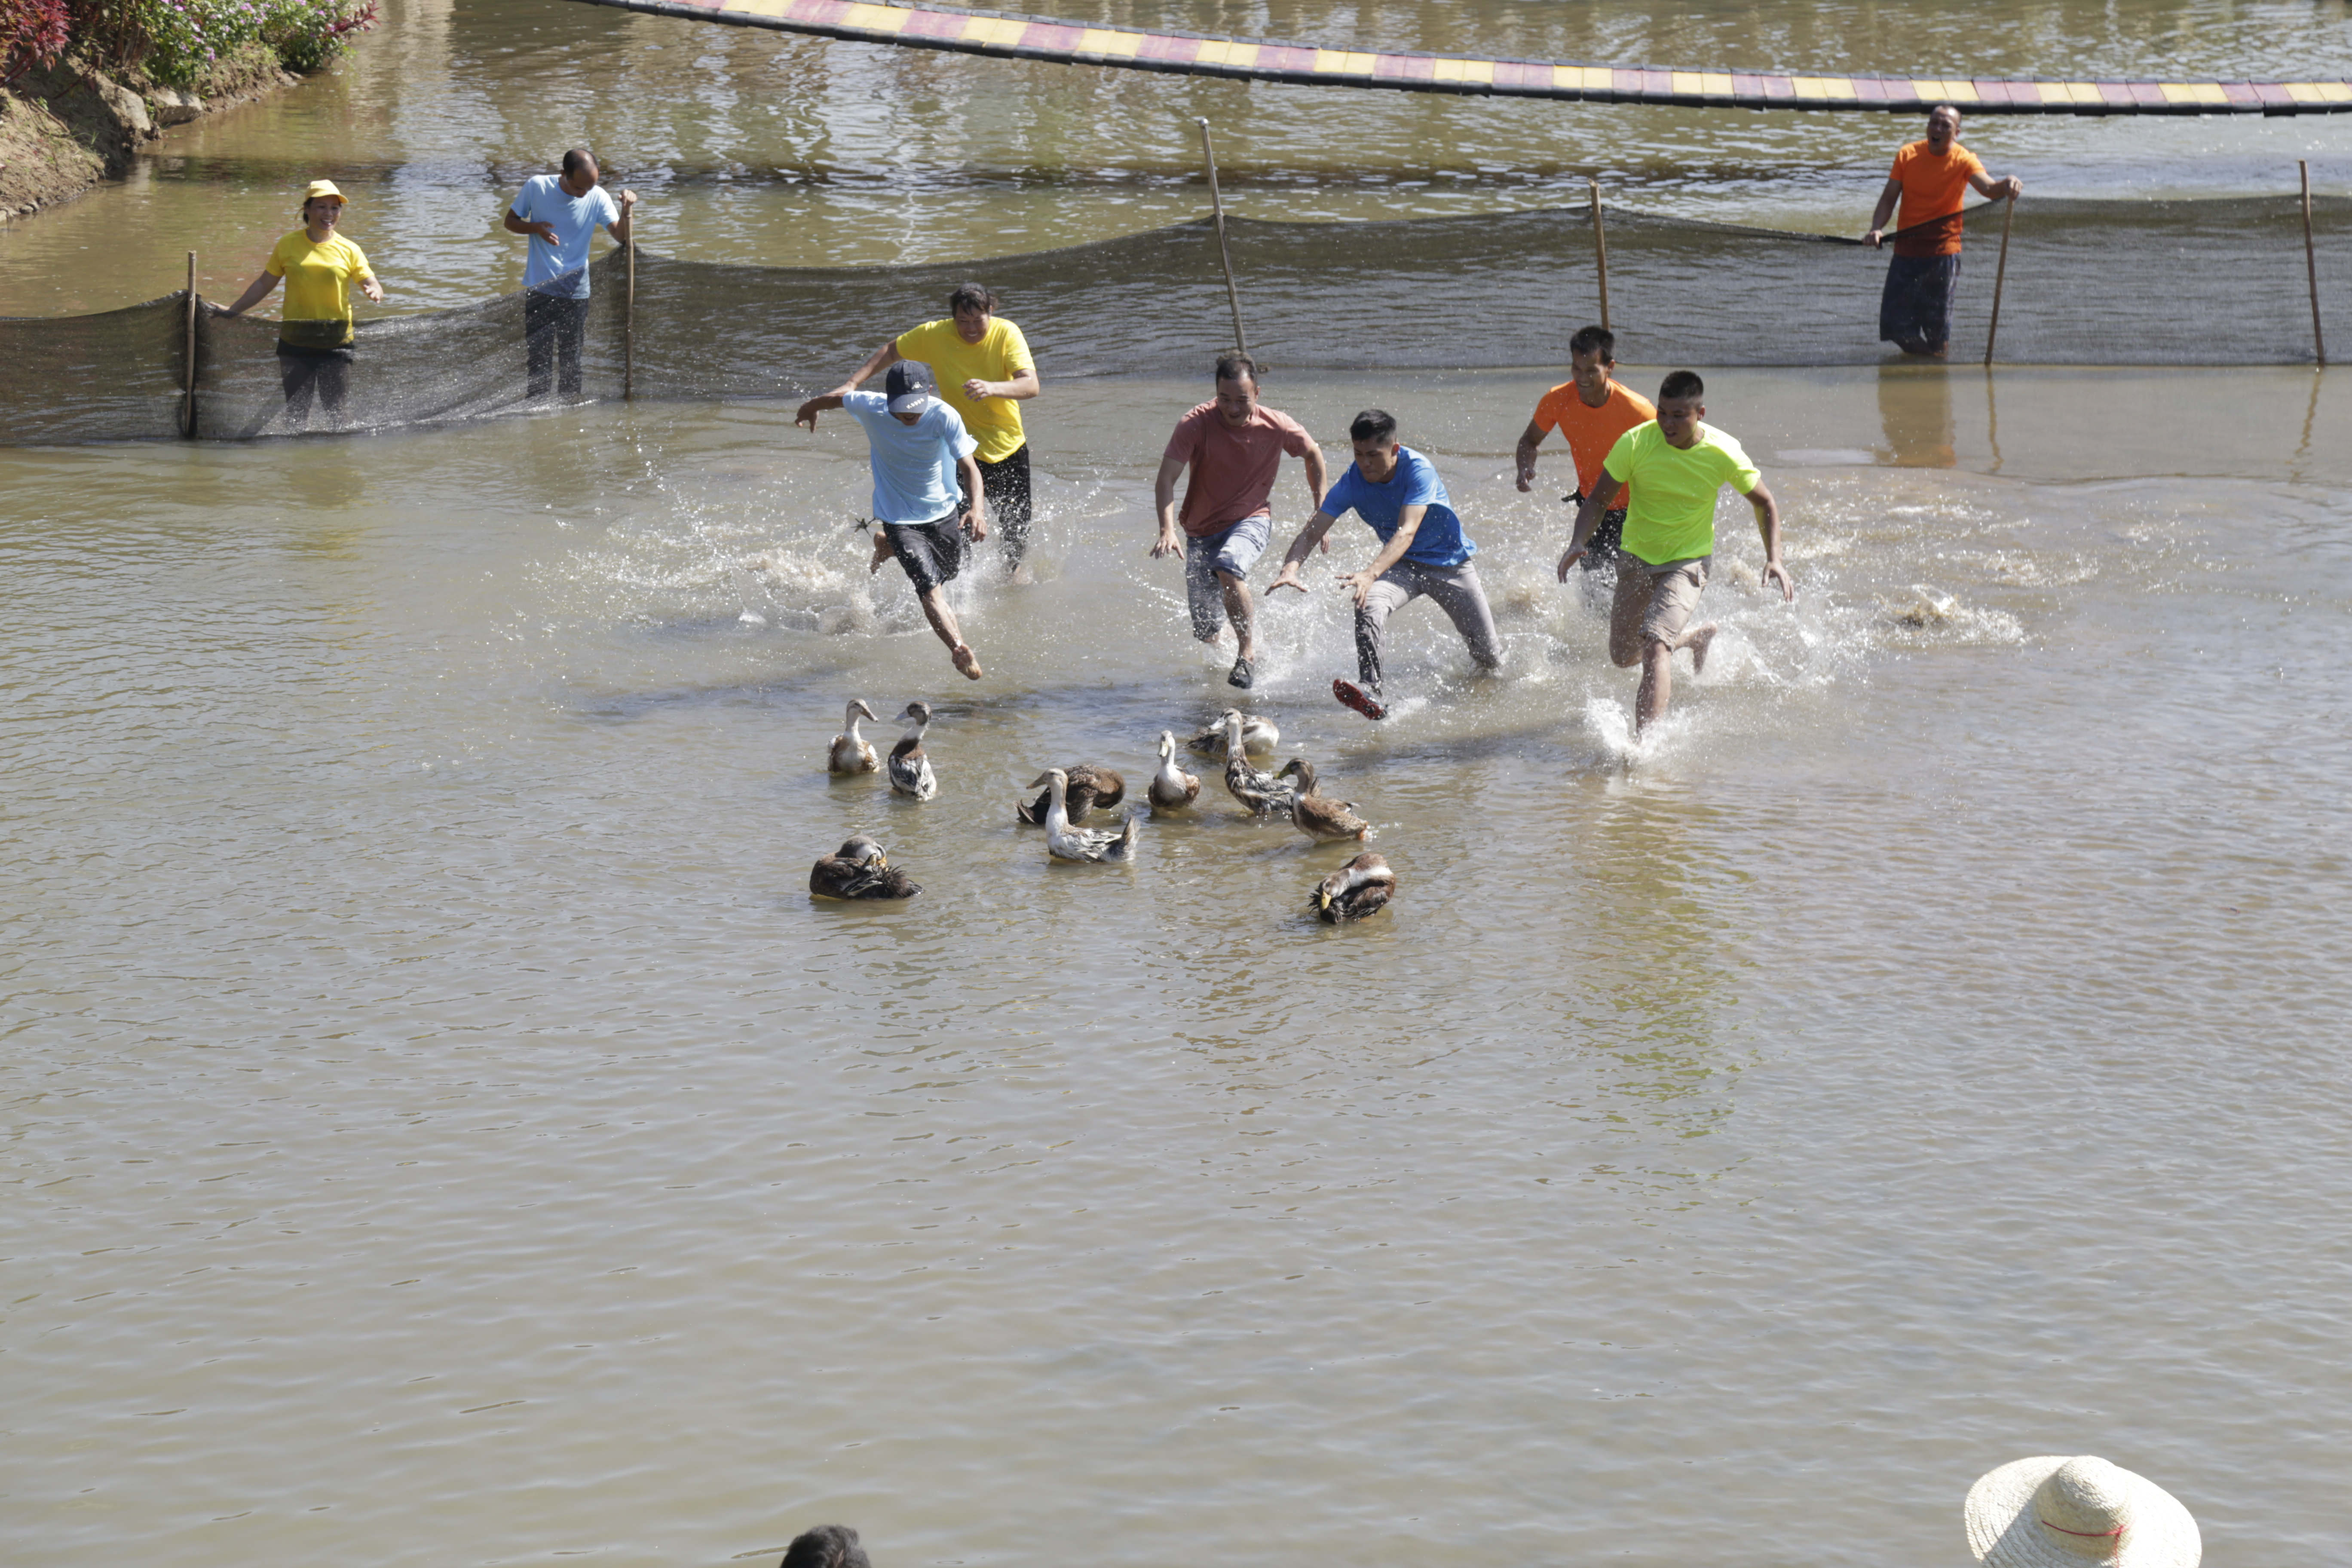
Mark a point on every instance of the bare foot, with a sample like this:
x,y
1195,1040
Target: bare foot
x,y
1699,640
964,661
1021,576
881,553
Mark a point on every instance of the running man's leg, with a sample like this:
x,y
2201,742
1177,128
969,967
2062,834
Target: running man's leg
x,y
1203,592
1673,596
1008,489
1463,597
1629,607
1391,592
932,553
943,622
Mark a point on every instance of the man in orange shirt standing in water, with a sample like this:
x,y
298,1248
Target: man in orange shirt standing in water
x,y
1932,178
1591,410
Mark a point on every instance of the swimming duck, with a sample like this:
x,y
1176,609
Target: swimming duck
x,y
1258,735
1265,794
1172,788
1322,818
1064,842
1090,786
1361,886
910,771
859,869
853,753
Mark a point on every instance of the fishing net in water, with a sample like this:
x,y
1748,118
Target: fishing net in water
x,y
2163,283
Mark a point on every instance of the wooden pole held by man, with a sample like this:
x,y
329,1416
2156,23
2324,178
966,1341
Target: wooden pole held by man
x,y
1999,276
1217,203
188,402
629,321
1599,250
2311,267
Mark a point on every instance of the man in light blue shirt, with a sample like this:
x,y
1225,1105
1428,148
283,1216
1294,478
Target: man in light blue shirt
x,y
1397,492
927,499
561,212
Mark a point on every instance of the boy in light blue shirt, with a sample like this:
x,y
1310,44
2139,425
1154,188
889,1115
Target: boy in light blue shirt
x,y
927,499
561,213
1397,492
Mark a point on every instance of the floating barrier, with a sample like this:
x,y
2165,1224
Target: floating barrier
x,y
2167,283
995,33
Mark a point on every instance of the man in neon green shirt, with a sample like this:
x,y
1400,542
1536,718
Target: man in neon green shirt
x,y
985,373
1677,465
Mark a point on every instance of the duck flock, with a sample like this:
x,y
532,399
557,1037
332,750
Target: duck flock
x,y
861,869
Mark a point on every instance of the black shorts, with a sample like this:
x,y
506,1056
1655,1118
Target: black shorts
x,y
1006,483
932,552
1608,538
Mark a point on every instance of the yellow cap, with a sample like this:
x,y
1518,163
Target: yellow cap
x,y
323,188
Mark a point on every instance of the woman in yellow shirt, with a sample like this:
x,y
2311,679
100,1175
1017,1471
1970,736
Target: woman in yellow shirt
x,y
314,335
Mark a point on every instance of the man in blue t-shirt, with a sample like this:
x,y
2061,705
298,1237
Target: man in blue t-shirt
x,y
561,212
927,499
1398,493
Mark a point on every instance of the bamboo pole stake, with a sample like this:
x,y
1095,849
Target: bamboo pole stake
x,y
629,322
188,413
1600,249
1999,276
1217,203
2311,267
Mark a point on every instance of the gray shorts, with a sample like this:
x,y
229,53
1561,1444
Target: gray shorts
x,y
1669,593
932,552
1233,551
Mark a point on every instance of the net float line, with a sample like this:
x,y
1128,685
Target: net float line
x,y
1007,36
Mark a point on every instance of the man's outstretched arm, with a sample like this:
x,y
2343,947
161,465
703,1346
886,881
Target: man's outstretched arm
x,y
1588,518
1886,200
1767,523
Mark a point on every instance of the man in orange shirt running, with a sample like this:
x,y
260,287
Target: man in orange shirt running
x,y
1591,410
1932,178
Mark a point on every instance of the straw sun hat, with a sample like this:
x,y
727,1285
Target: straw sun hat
x,y
2060,1512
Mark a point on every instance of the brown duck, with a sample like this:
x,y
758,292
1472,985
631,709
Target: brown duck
x,y
1322,818
1089,786
1362,887
859,869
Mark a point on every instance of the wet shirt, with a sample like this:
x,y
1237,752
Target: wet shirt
x,y
1232,470
319,278
1439,542
1002,354
1672,517
914,465
1591,432
562,269
1932,189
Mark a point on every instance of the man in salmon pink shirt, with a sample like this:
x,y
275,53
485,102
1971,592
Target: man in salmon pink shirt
x,y
1235,445
1931,179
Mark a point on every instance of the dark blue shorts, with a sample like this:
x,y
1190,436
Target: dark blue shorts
x,y
1915,313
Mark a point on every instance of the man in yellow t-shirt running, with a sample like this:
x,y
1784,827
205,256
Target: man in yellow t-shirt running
x,y
985,373
1677,465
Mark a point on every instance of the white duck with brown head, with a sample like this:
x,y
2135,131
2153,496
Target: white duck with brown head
x,y
1265,794
852,752
911,769
1064,842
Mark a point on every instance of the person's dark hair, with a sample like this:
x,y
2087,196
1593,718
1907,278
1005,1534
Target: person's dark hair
x,y
1235,367
1595,341
1374,425
827,1546
575,156
1681,383
970,297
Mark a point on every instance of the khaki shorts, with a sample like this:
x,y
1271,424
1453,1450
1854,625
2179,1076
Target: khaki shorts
x,y
1668,592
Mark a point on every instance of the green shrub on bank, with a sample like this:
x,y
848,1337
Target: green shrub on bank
x,y
177,40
